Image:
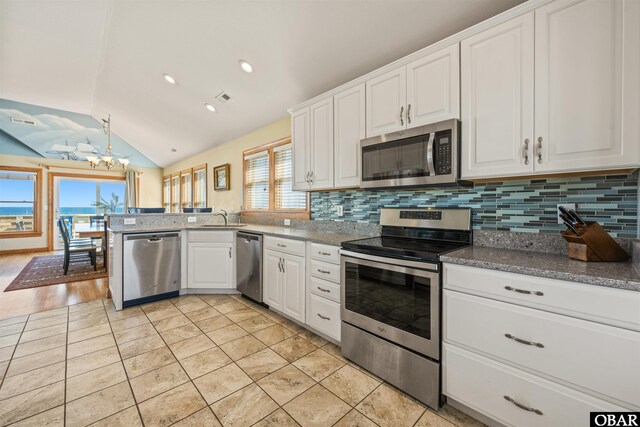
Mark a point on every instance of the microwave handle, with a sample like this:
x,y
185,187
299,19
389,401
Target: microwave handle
x,y
430,166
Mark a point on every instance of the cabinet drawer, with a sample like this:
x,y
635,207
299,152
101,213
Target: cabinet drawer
x,y
325,253
288,246
324,289
325,271
482,385
617,307
211,236
324,315
600,358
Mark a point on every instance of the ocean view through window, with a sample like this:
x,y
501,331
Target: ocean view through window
x,y
20,194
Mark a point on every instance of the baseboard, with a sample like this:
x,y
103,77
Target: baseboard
x,y
23,251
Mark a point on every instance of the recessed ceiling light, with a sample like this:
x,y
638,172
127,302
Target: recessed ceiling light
x,y
209,107
169,79
246,67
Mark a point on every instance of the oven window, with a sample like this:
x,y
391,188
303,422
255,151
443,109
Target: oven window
x,y
406,158
396,299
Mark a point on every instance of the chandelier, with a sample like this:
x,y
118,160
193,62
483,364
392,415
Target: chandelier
x,y
107,159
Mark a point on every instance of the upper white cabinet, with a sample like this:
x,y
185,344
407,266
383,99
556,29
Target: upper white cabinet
x,y
301,148
584,65
422,92
584,81
433,87
312,137
348,130
497,100
386,102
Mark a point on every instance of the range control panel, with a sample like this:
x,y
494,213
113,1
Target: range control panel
x,y
432,215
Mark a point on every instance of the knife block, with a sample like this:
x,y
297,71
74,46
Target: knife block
x,y
593,244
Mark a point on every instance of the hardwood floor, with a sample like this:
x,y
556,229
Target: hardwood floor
x,y
16,303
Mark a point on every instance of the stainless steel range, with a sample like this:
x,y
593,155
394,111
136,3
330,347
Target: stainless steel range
x,y
391,296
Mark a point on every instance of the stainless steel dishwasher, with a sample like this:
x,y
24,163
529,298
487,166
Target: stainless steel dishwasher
x,y
249,264
151,267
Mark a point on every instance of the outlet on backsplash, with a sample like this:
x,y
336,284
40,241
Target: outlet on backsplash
x,y
191,219
340,210
287,222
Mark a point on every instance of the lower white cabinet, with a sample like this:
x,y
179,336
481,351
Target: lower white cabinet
x,y
323,289
284,283
529,351
210,260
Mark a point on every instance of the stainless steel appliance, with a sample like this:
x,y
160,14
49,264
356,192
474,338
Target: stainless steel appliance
x,y
425,155
249,264
391,296
151,267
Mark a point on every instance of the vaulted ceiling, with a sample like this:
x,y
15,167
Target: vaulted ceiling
x,y
107,57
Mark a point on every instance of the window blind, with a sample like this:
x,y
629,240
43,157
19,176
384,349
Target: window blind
x,y
200,188
166,188
175,193
185,179
257,181
285,197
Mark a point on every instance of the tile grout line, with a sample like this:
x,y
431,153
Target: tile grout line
x,y
15,347
66,360
126,374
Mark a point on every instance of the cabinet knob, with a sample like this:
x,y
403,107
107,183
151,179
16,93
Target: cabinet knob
x,y
409,114
526,151
402,115
539,149
523,407
323,317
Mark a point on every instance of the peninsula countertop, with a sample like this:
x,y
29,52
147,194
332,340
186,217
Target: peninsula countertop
x,y
621,275
324,237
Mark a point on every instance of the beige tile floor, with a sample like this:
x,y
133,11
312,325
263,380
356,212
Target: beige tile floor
x,y
190,361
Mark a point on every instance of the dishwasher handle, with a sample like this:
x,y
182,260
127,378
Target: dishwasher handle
x,y
151,237
249,236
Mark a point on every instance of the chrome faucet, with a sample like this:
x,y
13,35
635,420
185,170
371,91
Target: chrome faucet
x,y
224,214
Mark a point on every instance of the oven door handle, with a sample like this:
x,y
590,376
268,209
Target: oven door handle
x,y
430,165
425,269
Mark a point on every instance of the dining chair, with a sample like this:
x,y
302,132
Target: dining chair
x,y
75,252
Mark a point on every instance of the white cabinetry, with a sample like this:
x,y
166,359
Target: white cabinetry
x,y
586,77
422,92
348,130
540,345
312,135
497,100
323,292
210,260
284,277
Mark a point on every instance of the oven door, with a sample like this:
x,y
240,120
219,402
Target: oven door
x,y
393,299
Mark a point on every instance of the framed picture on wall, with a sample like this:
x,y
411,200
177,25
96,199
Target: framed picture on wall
x,y
221,177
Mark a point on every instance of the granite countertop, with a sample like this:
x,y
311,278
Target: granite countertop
x,y
621,275
324,237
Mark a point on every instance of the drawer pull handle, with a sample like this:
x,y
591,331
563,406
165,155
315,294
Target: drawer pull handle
x,y
521,341
323,289
281,246
324,253
524,291
521,406
323,317
324,271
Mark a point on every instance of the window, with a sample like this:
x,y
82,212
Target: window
x,y
200,186
175,193
268,182
186,188
20,195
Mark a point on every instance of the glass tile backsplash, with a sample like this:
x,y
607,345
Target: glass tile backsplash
x,y
524,206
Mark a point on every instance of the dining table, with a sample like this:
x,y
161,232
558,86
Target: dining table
x,y
89,230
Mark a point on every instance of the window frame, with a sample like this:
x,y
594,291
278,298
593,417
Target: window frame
x,y
191,171
184,203
271,211
206,184
37,205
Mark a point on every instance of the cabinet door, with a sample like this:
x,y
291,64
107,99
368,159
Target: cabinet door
x,y
349,129
301,148
386,102
321,154
272,276
210,266
433,87
497,100
580,86
294,287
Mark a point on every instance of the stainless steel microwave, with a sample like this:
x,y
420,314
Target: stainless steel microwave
x,y
422,156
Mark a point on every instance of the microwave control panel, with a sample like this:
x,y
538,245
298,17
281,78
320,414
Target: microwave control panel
x,y
443,153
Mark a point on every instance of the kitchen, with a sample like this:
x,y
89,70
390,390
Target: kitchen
x,y
394,252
